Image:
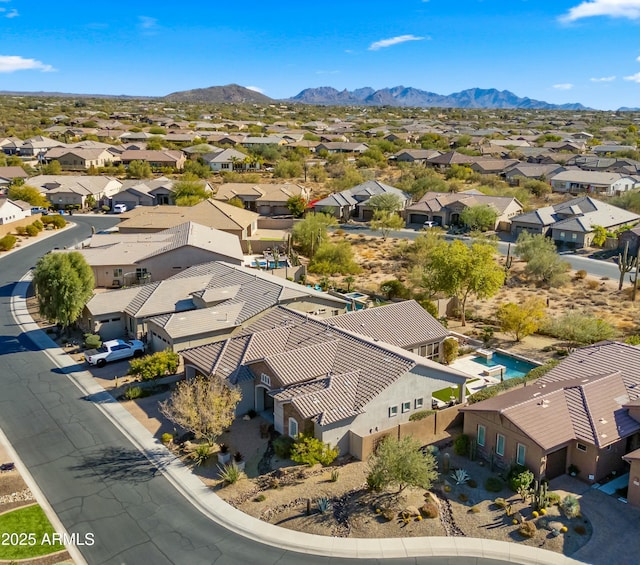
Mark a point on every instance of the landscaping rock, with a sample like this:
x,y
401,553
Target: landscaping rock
x,y
412,511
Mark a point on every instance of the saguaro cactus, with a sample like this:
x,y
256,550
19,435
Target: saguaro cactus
x,y
625,263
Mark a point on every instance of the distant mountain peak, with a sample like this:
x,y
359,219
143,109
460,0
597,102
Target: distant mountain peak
x,y
233,93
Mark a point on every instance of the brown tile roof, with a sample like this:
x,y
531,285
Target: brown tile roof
x,y
584,398
389,324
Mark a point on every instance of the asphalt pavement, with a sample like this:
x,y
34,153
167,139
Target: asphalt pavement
x,y
102,478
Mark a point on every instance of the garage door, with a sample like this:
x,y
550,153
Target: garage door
x,y
110,328
367,215
418,218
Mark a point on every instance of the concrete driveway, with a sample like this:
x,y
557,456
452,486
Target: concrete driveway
x,y
615,524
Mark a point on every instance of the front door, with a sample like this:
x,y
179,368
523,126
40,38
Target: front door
x,y
556,464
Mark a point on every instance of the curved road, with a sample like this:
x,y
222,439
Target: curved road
x,y
94,478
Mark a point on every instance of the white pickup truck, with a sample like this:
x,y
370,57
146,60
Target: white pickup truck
x,y
114,350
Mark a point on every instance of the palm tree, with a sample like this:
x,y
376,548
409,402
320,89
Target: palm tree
x,y
349,280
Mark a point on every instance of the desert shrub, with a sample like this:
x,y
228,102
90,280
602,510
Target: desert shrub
x,y
375,481
260,498
421,415
520,479
7,242
430,510
633,340
133,392
201,453
570,506
31,230
493,484
580,530
57,221
21,230
527,529
282,446
310,451
335,475
230,473
579,327
472,484
461,444
166,438
500,502
462,497
154,366
554,498
38,224
92,341
581,274
593,285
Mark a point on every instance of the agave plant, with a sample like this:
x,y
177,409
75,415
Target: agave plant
x,y
323,504
460,476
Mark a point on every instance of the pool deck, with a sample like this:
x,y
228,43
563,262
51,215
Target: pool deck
x,y
475,370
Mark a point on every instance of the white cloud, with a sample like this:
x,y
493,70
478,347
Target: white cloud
x,y
12,14
255,89
563,86
638,59
147,23
613,8
633,78
11,63
603,79
394,41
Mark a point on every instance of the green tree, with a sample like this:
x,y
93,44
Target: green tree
x,y
385,222
63,284
285,169
29,194
154,144
204,406
385,202
334,258
51,168
139,170
311,232
394,289
189,191
482,217
449,350
236,201
317,173
308,450
523,319
538,188
458,172
543,261
461,271
296,204
400,463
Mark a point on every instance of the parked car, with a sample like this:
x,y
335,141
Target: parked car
x,y
38,210
119,208
114,350
429,224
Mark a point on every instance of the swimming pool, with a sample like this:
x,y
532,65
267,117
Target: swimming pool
x,y
514,367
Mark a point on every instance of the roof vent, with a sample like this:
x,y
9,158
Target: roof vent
x,y
602,421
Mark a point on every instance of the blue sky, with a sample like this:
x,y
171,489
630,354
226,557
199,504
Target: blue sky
x,y
558,50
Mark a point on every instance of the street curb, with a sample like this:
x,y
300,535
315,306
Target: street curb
x,y
212,506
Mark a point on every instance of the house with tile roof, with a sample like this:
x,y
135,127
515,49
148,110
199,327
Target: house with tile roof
x,y
73,190
13,210
230,159
313,377
388,323
444,208
9,174
573,222
149,192
124,259
79,158
156,159
212,213
584,412
266,199
199,305
353,202
592,182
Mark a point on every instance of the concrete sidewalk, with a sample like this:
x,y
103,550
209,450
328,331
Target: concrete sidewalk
x,y
458,548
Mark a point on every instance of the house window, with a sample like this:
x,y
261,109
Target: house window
x,y
293,427
265,379
562,234
521,453
418,403
117,272
393,411
574,236
500,445
406,406
482,433
581,447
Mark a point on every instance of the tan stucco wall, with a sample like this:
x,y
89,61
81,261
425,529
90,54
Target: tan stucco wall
x,y
633,496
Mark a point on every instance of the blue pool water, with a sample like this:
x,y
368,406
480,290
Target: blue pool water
x,y
515,367
272,264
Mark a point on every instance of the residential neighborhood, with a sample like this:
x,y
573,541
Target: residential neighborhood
x,y
463,282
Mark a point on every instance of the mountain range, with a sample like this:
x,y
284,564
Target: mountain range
x,y
408,96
